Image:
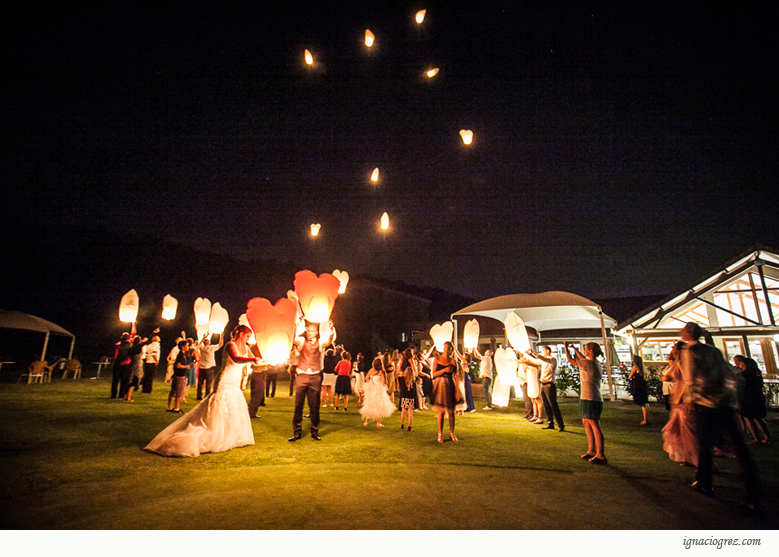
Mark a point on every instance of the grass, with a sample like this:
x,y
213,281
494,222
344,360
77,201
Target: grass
x,y
71,458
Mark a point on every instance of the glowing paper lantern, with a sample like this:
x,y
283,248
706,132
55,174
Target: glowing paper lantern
x,y
128,307
441,334
432,72
384,221
516,332
219,319
309,58
467,136
301,324
315,229
471,334
242,320
375,175
343,278
506,377
420,17
369,38
274,327
316,294
202,316
169,307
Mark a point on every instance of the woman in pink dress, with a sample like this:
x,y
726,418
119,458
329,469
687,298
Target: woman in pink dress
x,y
678,434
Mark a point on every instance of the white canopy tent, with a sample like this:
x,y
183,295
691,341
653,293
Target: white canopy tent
x,y
16,320
547,311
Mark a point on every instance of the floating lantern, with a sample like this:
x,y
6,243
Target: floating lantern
x,y
202,316
274,327
420,17
432,72
301,324
441,334
219,319
516,332
316,294
343,278
506,376
375,175
369,38
169,307
467,136
384,221
243,320
309,58
315,229
128,307
471,334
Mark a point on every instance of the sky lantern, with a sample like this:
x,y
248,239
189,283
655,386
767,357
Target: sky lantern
x,y
420,17
315,229
471,334
441,334
506,377
301,324
128,307
243,320
343,278
219,319
516,332
202,316
432,72
384,221
375,175
467,136
369,38
169,307
273,326
309,58
316,294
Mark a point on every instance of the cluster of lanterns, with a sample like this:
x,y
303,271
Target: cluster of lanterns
x,y
370,39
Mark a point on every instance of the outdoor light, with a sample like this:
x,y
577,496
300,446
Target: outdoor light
x,y
315,229
467,136
309,58
516,332
274,327
375,175
432,72
128,307
420,17
169,307
202,316
384,221
343,278
441,334
471,334
219,319
316,294
368,38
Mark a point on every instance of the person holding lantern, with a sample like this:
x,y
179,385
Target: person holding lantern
x,y
205,376
590,399
308,376
445,395
221,420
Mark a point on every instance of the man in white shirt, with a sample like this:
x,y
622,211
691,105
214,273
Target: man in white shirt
x,y
548,366
207,365
485,372
151,357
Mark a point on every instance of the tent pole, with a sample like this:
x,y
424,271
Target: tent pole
x,y
72,344
45,346
608,354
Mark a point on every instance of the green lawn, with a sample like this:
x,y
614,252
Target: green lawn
x,y
71,458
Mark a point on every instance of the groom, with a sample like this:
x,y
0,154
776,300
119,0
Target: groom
x,y
308,381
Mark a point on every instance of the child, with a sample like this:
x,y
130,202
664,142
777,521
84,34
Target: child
x,y
343,383
377,403
407,388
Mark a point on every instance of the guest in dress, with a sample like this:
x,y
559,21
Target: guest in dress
x,y
638,386
134,371
343,382
532,374
329,377
359,377
424,363
377,405
679,433
753,407
178,383
591,401
445,395
407,388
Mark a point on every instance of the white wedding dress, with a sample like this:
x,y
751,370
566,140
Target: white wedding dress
x,y
218,423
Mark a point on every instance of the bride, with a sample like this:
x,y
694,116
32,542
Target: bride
x,y
221,420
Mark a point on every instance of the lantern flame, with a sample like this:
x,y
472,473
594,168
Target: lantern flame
x,y
420,17
128,307
467,136
384,221
375,175
343,278
309,58
369,38
471,334
441,334
169,307
432,72
315,229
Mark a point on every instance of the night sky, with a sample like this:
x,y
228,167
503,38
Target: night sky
x,y
619,148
